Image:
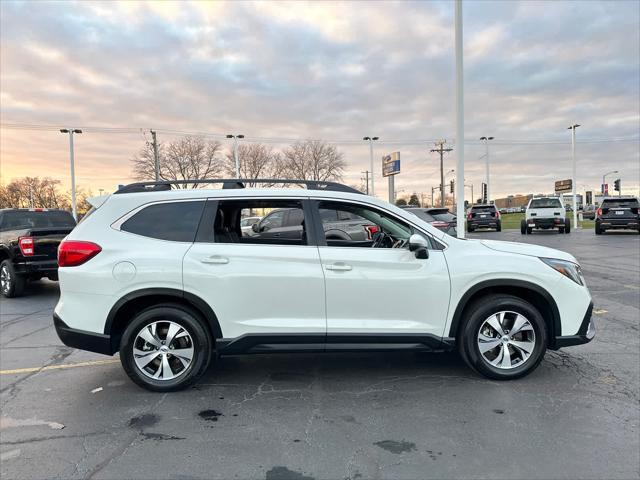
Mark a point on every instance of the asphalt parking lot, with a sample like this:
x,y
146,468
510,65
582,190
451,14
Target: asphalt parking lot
x,y
334,416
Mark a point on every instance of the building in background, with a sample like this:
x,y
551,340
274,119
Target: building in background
x,y
513,201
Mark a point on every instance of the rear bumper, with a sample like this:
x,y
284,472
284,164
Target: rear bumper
x,y
609,223
81,339
585,334
484,223
545,223
36,267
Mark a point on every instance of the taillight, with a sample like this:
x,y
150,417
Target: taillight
x,y
599,212
439,224
469,216
72,253
26,246
371,230
497,214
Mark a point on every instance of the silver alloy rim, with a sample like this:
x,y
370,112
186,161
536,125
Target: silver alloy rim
x,y
506,340
163,350
5,279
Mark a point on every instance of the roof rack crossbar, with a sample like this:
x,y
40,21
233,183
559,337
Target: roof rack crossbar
x,y
164,185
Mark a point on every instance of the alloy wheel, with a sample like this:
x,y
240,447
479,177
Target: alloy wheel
x,y
506,340
5,279
163,350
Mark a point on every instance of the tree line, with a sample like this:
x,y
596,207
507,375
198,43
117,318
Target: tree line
x,y
36,192
194,158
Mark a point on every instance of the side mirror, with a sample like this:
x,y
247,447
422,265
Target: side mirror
x,y
255,228
419,246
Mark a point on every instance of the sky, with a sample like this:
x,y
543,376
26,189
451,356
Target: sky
x,y
338,71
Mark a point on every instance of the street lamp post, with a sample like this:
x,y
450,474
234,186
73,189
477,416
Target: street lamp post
x,y
235,152
371,140
486,158
573,177
71,131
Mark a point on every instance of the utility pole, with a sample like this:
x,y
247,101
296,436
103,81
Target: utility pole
x,y
371,140
366,178
71,131
156,158
573,177
440,149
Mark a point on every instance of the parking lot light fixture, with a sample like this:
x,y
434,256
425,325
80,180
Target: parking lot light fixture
x,y
71,131
371,140
486,158
573,176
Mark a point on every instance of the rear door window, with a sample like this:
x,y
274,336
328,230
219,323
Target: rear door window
x,y
173,221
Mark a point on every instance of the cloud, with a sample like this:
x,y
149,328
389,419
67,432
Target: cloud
x,y
326,70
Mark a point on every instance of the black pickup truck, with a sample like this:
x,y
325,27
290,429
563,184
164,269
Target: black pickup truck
x,y
29,240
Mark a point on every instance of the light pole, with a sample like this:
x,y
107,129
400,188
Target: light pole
x,y
573,177
371,140
71,131
235,152
486,158
470,185
604,177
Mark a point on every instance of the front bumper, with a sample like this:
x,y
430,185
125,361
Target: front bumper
x,y
81,339
585,334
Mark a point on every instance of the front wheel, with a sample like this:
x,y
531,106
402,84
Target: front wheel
x,y
166,348
11,284
503,338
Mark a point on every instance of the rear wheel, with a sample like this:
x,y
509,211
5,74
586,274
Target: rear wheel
x,y
166,348
499,227
470,228
567,225
523,227
529,230
504,337
11,284
598,229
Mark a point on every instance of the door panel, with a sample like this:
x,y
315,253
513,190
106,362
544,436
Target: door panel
x,y
258,288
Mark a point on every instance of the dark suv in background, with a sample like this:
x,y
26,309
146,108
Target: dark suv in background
x,y
440,218
617,213
483,216
29,240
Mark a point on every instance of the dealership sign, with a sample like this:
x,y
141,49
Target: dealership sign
x,y
563,186
391,164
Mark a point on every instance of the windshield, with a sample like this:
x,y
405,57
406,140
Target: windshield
x,y
32,219
545,203
620,203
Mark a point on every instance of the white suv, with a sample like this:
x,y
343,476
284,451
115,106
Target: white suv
x,y
167,278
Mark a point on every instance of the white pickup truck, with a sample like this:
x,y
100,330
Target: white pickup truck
x,y
545,213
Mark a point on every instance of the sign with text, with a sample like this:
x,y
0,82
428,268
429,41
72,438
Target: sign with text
x,y
391,164
563,186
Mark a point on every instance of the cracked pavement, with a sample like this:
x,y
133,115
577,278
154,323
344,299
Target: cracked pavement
x,y
335,416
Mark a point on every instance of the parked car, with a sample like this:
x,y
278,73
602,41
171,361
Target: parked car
x,y
589,212
174,295
338,225
441,218
483,216
246,223
29,239
545,213
616,213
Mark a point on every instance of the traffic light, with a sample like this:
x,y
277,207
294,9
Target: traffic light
x,y
451,187
616,185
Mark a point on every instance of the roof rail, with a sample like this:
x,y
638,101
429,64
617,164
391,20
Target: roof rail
x,y
164,185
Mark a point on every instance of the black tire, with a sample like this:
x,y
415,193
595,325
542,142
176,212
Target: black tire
x,y
523,227
567,225
561,230
470,229
529,230
598,229
486,307
184,317
499,226
14,284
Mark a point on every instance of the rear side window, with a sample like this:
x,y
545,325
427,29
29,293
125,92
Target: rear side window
x,y
175,221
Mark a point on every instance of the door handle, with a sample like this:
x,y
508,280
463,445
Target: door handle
x,y
215,259
338,267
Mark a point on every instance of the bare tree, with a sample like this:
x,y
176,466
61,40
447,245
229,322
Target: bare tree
x,y
33,192
313,160
189,158
256,161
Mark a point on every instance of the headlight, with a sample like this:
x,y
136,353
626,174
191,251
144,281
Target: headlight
x,y
568,269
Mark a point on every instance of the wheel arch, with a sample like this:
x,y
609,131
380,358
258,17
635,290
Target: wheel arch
x,y
534,294
133,302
